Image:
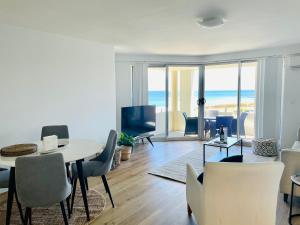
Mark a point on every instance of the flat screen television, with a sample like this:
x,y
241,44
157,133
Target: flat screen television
x,y
138,120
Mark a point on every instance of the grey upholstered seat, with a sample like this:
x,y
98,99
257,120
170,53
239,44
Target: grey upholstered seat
x,y
41,181
90,169
98,166
4,178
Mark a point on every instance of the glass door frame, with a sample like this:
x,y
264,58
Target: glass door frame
x,y
167,66
167,137
201,92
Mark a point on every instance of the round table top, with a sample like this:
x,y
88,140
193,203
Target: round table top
x,y
76,149
296,179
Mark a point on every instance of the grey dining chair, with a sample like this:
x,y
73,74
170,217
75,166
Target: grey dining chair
x,y
98,166
62,132
44,188
4,178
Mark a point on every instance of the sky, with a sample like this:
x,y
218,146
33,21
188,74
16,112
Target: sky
x,y
221,77
156,79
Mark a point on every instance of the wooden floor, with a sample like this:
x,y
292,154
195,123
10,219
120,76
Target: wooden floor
x,y
145,199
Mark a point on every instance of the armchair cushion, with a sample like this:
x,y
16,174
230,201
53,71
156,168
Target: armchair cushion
x,y
235,158
291,159
296,145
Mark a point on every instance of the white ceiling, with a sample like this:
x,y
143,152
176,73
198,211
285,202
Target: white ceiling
x,y
162,26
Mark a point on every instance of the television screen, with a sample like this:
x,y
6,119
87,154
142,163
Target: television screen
x,y
137,120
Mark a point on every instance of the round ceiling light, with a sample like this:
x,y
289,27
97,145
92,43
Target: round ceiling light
x,y
211,22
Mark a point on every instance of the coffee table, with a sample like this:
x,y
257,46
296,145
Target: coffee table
x,y
218,157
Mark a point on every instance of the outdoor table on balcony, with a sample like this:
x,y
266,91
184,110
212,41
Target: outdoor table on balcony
x,y
210,118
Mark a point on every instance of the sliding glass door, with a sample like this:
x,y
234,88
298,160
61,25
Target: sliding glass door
x,y
157,96
174,90
183,91
221,94
248,100
193,101
229,91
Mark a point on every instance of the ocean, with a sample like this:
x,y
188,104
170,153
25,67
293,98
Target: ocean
x,y
212,97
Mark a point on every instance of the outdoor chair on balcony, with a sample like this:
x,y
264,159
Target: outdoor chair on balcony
x,y
210,117
243,117
225,121
191,124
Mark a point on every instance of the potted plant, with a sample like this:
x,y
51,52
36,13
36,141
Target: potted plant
x,y
125,142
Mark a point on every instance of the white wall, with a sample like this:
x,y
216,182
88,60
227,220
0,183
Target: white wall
x,y
124,89
130,83
271,94
52,79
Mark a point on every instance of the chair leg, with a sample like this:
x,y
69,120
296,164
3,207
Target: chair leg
x,y
73,193
64,212
107,189
86,183
25,218
20,208
104,184
189,209
149,139
68,170
28,216
285,197
68,206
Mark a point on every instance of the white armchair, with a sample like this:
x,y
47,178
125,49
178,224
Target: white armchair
x,y
234,193
291,160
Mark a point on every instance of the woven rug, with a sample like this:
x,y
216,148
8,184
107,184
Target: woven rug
x,y
176,169
53,215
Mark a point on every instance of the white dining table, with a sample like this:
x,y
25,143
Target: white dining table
x,y
76,151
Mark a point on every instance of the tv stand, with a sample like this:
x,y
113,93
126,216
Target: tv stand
x,y
147,136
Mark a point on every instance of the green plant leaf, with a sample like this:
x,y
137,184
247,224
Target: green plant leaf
x,y
125,140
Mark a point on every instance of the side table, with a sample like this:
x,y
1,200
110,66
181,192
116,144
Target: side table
x,y
295,181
